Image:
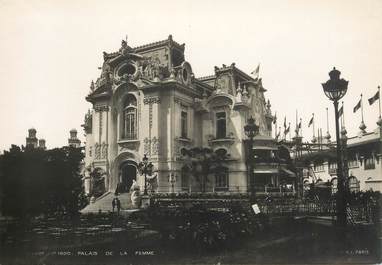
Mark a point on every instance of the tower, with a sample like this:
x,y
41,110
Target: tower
x,y
41,144
31,140
73,140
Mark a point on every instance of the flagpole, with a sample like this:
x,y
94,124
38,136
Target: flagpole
x,y
361,108
379,100
313,124
289,131
343,115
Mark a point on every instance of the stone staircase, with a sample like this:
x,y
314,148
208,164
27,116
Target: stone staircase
x,y
104,203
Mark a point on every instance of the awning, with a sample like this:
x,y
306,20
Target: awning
x,y
288,172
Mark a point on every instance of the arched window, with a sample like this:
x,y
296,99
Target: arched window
x,y
130,118
353,184
221,179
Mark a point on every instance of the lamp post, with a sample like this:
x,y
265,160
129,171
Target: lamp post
x,y
145,167
251,130
335,88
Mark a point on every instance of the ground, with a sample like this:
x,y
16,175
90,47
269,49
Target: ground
x,y
287,241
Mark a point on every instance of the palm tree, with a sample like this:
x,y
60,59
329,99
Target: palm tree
x,y
203,161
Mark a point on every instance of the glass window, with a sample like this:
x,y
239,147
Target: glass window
x,y
130,118
318,167
220,125
221,179
183,124
369,163
353,184
352,162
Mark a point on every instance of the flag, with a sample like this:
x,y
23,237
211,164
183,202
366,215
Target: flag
x,y
311,121
278,135
256,72
341,111
285,122
299,125
357,107
287,130
374,98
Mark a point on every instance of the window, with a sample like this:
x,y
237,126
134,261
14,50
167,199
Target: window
x,y
318,167
130,118
353,184
183,124
220,125
369,163
352,162
185,178
221,179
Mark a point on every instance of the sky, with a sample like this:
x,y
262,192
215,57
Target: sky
x,y
51,50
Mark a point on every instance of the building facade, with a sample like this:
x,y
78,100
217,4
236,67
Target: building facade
x,y
363,155
147,101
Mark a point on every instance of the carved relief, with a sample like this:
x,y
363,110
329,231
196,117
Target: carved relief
x,y
155,146
97,152
146,146
104,150
151,100
133,145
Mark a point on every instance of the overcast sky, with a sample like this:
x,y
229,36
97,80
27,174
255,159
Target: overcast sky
x,y
50,52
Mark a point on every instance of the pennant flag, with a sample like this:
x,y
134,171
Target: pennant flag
x,y
299,125
310,122
341,111
287,130
275,119
357,107
256,72
285,122
374,98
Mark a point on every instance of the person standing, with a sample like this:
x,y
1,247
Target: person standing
x,y
118,205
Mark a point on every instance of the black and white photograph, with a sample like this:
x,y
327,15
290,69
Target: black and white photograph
x,y
190,132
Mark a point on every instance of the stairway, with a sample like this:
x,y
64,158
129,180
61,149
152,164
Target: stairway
x,y
104,203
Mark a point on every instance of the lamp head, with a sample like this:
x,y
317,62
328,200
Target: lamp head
x,y
335,88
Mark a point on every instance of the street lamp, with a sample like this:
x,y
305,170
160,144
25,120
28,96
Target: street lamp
x,y
251,130
145,167
335,88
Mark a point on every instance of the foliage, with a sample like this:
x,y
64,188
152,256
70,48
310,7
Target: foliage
x,y
203,161
38,182
201,229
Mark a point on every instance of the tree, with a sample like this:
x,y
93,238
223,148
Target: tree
x,y
36,181
203,161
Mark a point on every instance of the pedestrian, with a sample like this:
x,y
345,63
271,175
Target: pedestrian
x,y
113,202
118,205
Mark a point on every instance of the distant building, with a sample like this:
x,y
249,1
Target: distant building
x,y
147,101
73,140
31,140
364,161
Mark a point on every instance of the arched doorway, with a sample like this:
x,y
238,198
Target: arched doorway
x,y
128,174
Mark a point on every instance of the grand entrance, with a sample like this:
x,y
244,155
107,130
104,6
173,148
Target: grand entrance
x,y
128,174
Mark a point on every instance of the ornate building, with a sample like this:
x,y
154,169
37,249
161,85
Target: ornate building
x,y
148,101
